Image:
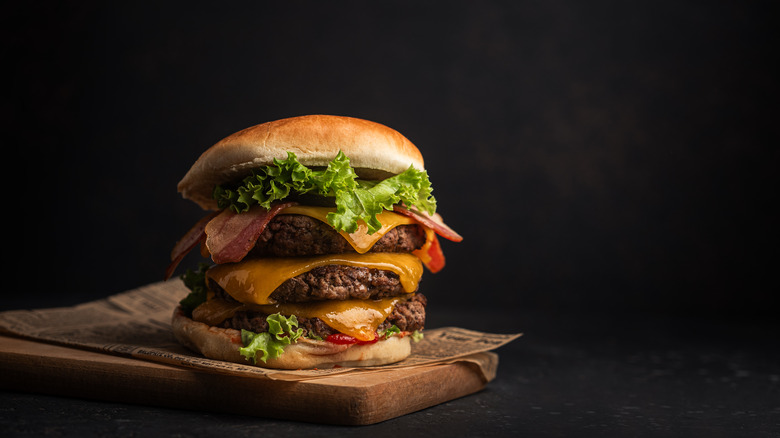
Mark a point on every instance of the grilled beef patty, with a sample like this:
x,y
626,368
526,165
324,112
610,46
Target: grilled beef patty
x,y
407,316
333,282
293,235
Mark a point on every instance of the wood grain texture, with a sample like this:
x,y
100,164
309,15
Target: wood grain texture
x,y
349,399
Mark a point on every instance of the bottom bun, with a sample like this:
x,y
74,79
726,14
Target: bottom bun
x,y
223,344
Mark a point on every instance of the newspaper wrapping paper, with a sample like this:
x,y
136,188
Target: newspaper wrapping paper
x,y
137,323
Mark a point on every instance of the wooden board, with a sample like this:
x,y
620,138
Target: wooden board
x,y
349,399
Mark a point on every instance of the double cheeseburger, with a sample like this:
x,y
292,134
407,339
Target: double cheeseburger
x,y
320,232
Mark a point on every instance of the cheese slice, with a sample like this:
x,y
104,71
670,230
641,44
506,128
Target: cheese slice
x,y
357,318
360,239
252,281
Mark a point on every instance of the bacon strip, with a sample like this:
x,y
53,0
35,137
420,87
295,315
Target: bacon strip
x,y
190,240
230,236
434,222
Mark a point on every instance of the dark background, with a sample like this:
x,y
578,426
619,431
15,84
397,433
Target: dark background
x,y
599,157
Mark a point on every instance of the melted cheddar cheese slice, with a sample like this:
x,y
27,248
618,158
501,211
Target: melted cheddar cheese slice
x,y
252,281
357,318
360,239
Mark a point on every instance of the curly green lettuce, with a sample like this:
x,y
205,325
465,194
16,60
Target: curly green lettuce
x,y
282,331
355,199
196,283
390,332
416,336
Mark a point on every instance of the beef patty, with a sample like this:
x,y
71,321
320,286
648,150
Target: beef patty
x,y
293,235
333,282
408,315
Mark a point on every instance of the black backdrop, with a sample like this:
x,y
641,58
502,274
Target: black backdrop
x,y
597,156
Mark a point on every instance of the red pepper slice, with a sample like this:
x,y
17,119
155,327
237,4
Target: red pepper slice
x,y
436,256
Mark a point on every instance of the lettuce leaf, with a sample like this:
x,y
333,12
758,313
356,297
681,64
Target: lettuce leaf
x,y
269,345
390,332
416,336
196,282
355,199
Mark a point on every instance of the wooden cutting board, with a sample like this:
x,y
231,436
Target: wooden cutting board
x,y
356,398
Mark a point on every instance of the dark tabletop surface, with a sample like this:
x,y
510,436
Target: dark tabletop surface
x,y
636,375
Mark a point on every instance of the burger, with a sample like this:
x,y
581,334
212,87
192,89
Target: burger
x,y
318,233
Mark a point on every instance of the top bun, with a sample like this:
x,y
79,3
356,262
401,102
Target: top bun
x,y
374,151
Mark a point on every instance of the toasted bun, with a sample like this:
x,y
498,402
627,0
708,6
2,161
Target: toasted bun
x,y
223,344
374,150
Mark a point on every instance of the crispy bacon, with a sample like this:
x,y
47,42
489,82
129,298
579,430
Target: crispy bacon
x,y
230,236
434,222
190,240
227,235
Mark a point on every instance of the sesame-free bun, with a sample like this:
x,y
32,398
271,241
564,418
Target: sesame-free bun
x,y
373,149
223,344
